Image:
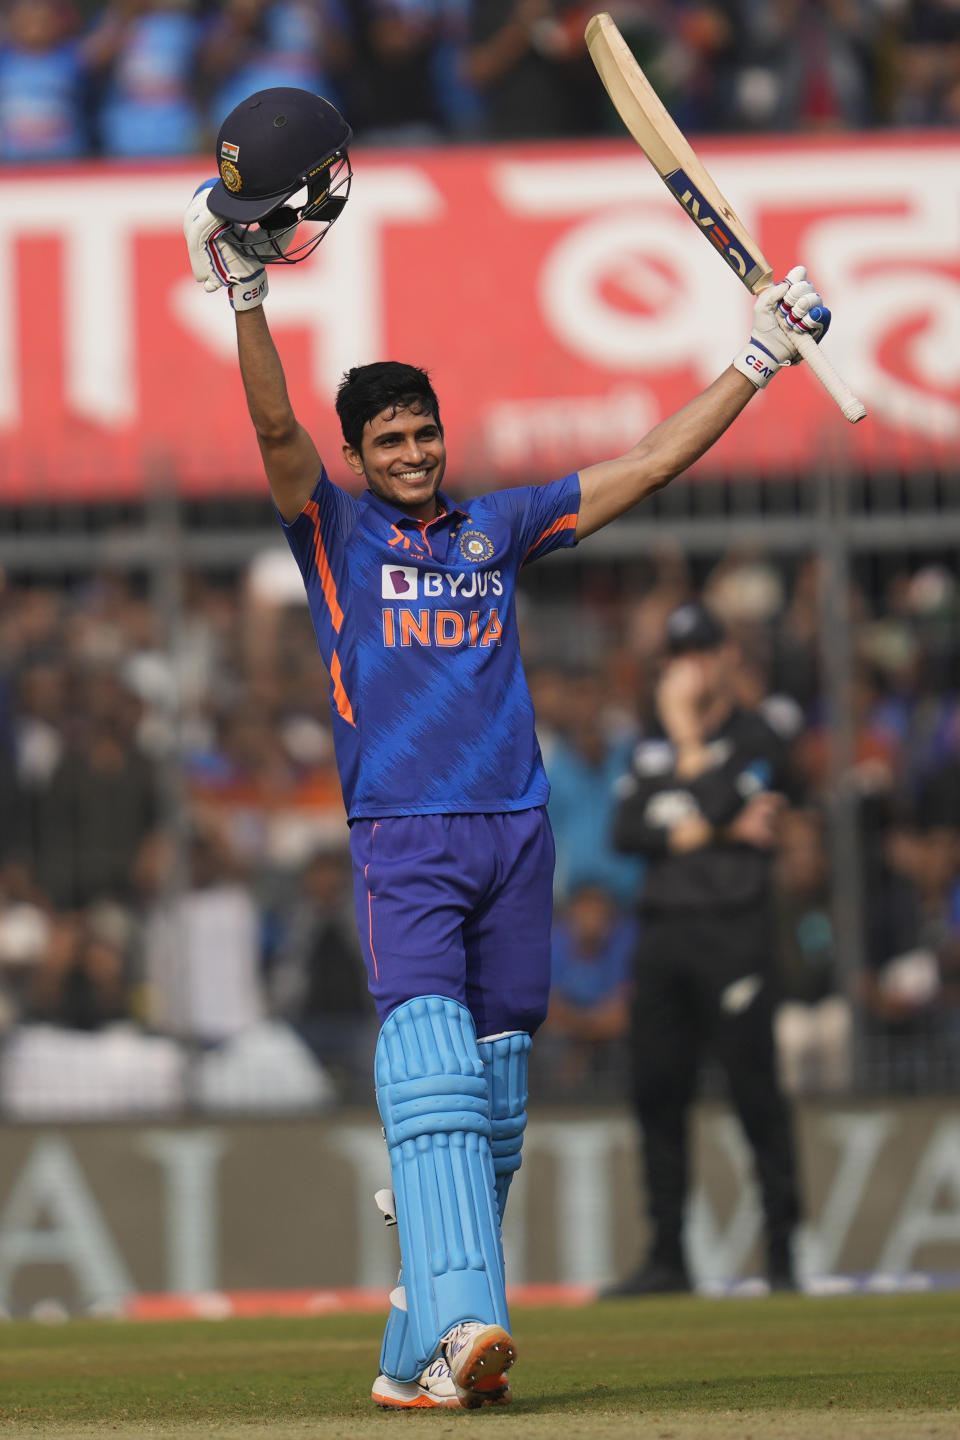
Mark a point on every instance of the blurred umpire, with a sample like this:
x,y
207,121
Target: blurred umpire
x,y
702,804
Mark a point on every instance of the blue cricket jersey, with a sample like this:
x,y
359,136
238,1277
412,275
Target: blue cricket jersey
x,y
416,623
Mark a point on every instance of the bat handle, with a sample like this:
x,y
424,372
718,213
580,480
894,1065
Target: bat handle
x,y
837,388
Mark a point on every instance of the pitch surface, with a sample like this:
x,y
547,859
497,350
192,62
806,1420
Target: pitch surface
x,y
786,1366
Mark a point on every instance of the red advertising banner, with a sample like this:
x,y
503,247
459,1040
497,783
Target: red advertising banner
x,y
559,296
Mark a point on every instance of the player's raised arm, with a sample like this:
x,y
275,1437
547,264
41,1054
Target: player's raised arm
x,y
290,458
284,179
615,486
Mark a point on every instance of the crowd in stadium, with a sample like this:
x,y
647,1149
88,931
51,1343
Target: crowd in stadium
x,y
156,77
102,734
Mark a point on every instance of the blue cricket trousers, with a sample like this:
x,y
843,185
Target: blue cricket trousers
x,y
458,905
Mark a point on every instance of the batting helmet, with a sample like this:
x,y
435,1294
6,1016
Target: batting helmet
x,y
283,159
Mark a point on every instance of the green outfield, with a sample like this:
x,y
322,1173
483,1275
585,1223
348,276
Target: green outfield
x,y
786,1366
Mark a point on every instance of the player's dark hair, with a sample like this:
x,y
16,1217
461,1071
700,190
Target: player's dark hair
x,y
366,390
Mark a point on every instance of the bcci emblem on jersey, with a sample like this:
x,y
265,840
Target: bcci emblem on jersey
x,y
475,546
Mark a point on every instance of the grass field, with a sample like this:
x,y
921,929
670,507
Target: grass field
x,y
786,1366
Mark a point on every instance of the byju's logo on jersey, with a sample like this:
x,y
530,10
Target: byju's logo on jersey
x,y
398,582
475,546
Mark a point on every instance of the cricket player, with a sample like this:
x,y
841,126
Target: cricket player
x,y
412,595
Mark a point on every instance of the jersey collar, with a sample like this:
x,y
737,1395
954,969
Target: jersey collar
x,y
403,521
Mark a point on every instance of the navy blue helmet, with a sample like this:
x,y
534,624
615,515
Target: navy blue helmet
x,y
282,157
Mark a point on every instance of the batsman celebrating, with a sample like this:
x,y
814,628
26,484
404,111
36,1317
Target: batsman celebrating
x,y
412,600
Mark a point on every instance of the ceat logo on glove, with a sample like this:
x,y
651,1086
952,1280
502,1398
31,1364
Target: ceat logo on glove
x,y
759,365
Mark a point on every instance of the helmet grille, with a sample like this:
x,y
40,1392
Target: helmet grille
x,y
273,240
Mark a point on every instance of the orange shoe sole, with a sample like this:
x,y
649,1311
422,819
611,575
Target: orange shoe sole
x,y
478,1374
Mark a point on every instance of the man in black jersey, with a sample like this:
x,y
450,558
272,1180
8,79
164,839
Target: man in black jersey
x,y
701,804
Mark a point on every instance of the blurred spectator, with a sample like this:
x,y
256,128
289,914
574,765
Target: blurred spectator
x,y
201,942
912,646
908,990
24,936
928,70
40,721
86,825
11,809
671,586
746,591
79,982
877,756
813,1021
317,980
798,64
408,88
145,55
267,780
548,691
796,646
42,83
584,768
528,61
584,1035
255,45
938,803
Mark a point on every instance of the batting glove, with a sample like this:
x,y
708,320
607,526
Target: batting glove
x,y
215,262
781,312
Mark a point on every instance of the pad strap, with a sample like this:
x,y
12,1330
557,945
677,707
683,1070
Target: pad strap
x,y
432,1095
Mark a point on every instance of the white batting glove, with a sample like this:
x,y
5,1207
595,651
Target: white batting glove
x,y
215,262
781,312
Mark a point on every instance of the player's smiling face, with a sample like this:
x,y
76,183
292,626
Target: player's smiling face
x,y
402,458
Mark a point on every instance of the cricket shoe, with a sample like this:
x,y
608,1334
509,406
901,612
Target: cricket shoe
x,y
479,1356
434,1390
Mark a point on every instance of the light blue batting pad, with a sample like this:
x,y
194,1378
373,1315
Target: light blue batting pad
x,y
505,1068
397,1358
432,1095
505,1061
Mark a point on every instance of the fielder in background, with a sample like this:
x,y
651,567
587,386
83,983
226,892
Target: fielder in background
x,y
412,599
702,805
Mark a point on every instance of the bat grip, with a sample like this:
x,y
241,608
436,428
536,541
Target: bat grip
x,y
837,388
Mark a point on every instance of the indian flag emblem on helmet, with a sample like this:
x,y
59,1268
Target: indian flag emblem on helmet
x,y
228,151
475,546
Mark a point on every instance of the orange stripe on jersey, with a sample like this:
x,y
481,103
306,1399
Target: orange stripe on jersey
x,y
566,522
340,696
323,567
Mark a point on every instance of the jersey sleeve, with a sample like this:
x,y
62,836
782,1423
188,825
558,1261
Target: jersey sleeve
x,y
544,517
327,519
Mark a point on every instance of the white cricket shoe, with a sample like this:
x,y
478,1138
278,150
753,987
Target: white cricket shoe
x,y
478,1356
434,1390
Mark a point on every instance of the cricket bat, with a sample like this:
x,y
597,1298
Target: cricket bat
x,y
664,145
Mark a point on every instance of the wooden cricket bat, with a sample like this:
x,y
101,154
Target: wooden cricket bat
x,y
664,145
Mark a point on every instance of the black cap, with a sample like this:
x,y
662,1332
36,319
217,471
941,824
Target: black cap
x,y
273,143
693,627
